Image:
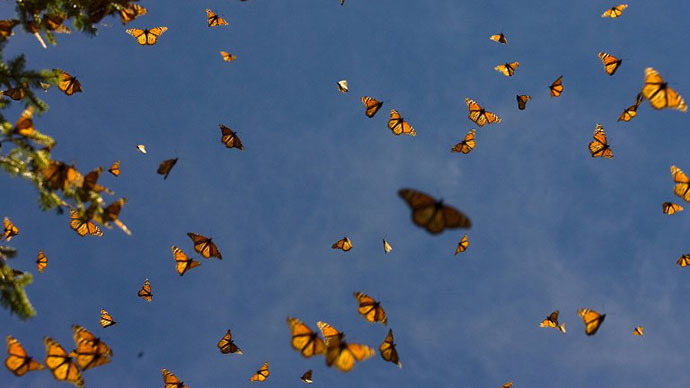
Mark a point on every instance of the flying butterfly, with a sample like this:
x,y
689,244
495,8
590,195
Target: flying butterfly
x,y
614,12
67,83
610,62
60,176
147,37
131,11
15,93
90,351
342,86
556,87
106,319
17,361
9,230
507,385
6,27
370,309
658,93
111,214
90,183
467,144
61,364
227,345
227,57
205,246
304,340
399,125
500,38
166,166
599,147
340,353
306,377
592,320
261,374
479,115
684,260
552,321
682,187
372,106
229,138
145,291
182,262
82,225
345,244
431,214
639,331
386,246
462,245
25,124
522,100
508,69
671,208
631,111
115,168
215,20
141,148
170,380
388,351
41,261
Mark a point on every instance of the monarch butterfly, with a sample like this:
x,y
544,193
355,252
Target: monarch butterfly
x,y
25,124
145,291
306,377
15,93
507,385
112,213
659,94
17,361
399,125
227,57
552,321
170,380
60,176
639,331
83,226
304,340
67,83
131,11
340,353
467,144
61,364
9,229
671,208
508,69
227,345
182,262
166,166
215,20
372,106
462,245
261,374
388,351
556,87
141,148
479,115
522,101
500,38
614,12
682,188
386,246
684,260
90,351
631,111
91,182
370,309
229,138
6,27
431,214
147,36
599,147
41,261
106,319
592,320
343,244
205,246
342,86
115,168
610,62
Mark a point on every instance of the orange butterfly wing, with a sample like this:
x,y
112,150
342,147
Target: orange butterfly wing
x,y
61,364
17,361
372,106
370,308
304,340
556,87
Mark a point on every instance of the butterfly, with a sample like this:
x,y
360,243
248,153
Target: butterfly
x,y
462,245
370,309
479,115
115,168
90,351
610,62
342,86
90,183
431,214
682,188
141,148
343,244
306,377
15,93
261,374
112,213
61,364
304,340
508,69
182,262
227,345
145,292
215,20
592,320
229,138
147,36
41,261
684,261
372,106
170,380
6,27
500,38
387,349
17,361
399,126
522,101
9,230
60,176
25,124
599,147
53,22
638,331
340,353
671,208
631,111
67,83
106,319
556,87
386,246
614,12
507,385
552,321
83,226
227,57
659,94
131,11
467,144
166,166
205,246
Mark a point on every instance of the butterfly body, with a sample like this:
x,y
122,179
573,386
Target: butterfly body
x,y
431,214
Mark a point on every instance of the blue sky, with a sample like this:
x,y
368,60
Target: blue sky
x,y
552,229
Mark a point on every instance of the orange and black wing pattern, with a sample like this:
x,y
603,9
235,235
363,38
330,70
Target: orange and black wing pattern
x,y
399,126
522,100
145,291
83,226
89,350
659,94
304,340
592,320
147,36
115,168
370,309
171,381
431,214
684,260
215,20
556,87
500,38
480,116
467,144
130,12
599,147
671,208
344,244
9,230
682,187
165,167
631,111
229,138
205,246
41,261
507,69
340,353
372,106
227,57
17,361
261,374
388,351
182,262
106,319
227,345
462,245
610,62
67,83
61,364
614,12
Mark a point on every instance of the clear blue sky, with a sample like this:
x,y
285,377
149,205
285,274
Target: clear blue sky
x,y
552,229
